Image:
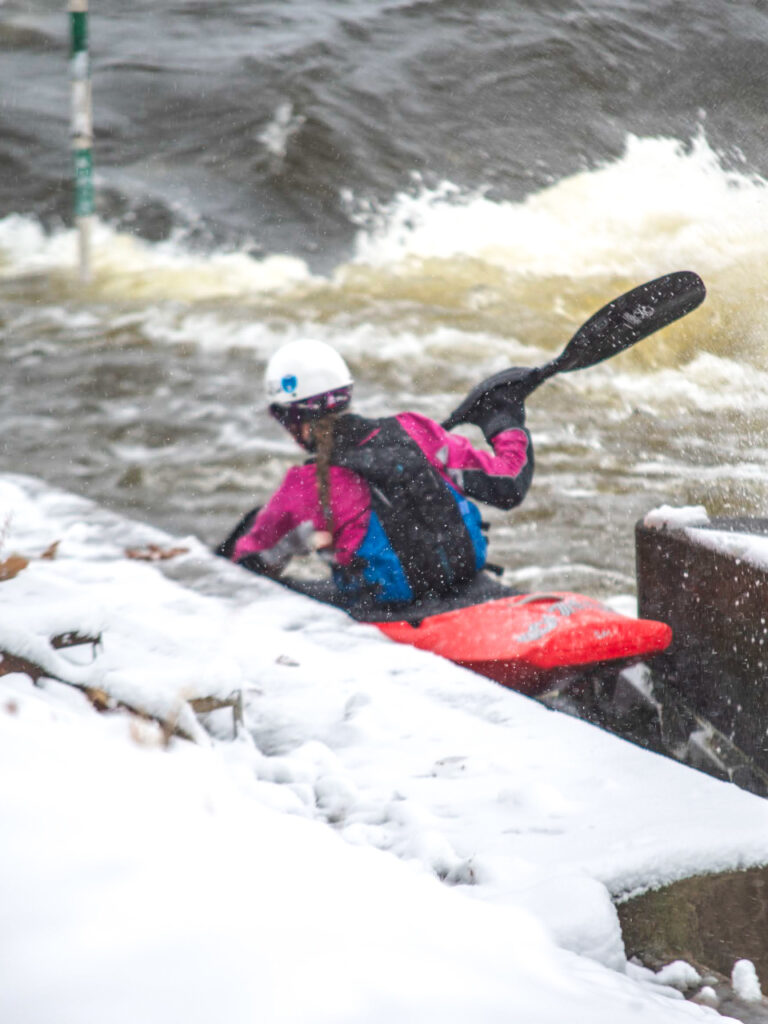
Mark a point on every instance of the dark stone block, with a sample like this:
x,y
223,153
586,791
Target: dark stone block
x,y
710,921
717,606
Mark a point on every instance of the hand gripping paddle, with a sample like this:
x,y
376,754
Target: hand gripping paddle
x,y
614,328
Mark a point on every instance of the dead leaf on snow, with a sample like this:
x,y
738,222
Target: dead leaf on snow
x,y
75,639
12,566
13,663
154,553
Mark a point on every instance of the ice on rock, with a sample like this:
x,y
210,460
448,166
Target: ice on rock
x,y
750,547
666,515
706,996
745,982
679,975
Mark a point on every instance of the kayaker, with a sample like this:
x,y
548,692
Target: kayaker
x,y
386,500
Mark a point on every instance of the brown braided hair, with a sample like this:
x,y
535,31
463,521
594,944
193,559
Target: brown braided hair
x,y
322,437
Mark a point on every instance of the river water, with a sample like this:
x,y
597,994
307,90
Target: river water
x,y
437,189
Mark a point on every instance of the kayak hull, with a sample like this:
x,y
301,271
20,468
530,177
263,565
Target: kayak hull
x,y
533,642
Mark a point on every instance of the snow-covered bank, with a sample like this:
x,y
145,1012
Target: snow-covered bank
x,y
292,874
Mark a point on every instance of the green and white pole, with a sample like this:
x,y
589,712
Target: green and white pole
x,y
82,130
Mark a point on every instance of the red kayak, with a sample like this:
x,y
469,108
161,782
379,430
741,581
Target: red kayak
x,y
533,642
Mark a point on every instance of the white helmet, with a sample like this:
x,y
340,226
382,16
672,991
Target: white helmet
x,y
309,378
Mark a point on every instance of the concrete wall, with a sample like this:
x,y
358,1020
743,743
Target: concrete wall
x,y
717,606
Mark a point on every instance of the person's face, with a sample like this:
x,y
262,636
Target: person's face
x,y
299,429
301,434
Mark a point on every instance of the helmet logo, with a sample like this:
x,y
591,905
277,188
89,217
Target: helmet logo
x,y
289,383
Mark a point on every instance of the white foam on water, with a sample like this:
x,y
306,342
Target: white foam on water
x,y
663,205
128,267
707,383
413,303
372,345
284,124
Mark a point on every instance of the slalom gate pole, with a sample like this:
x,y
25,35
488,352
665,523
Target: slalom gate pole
x,y
82,131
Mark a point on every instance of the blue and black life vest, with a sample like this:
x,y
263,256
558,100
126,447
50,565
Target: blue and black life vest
x,y
424,537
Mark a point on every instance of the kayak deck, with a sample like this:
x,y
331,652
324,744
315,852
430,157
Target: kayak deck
x,y
530,641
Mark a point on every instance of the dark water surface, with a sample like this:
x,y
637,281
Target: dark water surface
x,y
190,99
436,188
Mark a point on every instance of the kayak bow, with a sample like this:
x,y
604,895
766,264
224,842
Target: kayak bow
x,y
531,642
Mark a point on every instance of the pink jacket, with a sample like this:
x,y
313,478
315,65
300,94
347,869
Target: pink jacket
x,y
297,500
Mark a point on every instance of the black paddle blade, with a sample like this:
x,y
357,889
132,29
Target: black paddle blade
x,y
614,328
628,319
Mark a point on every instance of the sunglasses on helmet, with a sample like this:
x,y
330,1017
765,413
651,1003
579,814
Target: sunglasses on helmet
x,y
288,416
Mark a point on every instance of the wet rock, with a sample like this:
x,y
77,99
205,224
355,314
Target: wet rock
x,y
717,925
715,598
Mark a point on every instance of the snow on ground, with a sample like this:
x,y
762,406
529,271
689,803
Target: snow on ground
x,y
389,837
